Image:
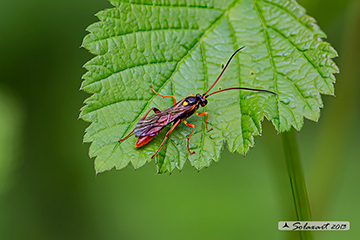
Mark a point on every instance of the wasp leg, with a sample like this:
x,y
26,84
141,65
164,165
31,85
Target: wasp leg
x,y
206,120
157,111
126,136
188,138
164,96
152,109
166,136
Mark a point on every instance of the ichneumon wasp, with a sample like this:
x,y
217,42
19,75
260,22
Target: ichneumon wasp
x,y
148,127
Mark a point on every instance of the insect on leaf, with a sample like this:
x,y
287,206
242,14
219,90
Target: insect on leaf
x,y
180,47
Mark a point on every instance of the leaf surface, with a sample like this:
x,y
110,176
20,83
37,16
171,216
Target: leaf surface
x,y
180,47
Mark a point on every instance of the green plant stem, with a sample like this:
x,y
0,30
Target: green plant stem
x,y
297,181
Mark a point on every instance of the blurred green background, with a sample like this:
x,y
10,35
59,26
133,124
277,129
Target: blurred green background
x,y
48,188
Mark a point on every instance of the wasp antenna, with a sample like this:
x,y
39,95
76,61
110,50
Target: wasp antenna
x,y
227,64
242,88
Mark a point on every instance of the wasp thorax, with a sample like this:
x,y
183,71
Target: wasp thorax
x,y
191,101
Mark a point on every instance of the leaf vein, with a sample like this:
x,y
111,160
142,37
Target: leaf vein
x,y
290,13
268,47
170,6
300,51
298,90
142,31
238,62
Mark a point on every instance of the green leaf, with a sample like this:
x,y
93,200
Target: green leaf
x,y
179,47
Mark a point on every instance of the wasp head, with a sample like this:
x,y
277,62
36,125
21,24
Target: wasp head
x,y
202,100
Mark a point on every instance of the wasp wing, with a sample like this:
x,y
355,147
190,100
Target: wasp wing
x,y
152,125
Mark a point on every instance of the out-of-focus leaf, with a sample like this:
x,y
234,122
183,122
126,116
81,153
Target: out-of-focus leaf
x,y
10,126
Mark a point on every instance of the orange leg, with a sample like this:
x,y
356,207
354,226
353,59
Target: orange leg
x,y
152,109
206,120
166,136
164,96
188,138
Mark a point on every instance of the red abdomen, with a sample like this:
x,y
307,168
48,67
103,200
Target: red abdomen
x,y
143,140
